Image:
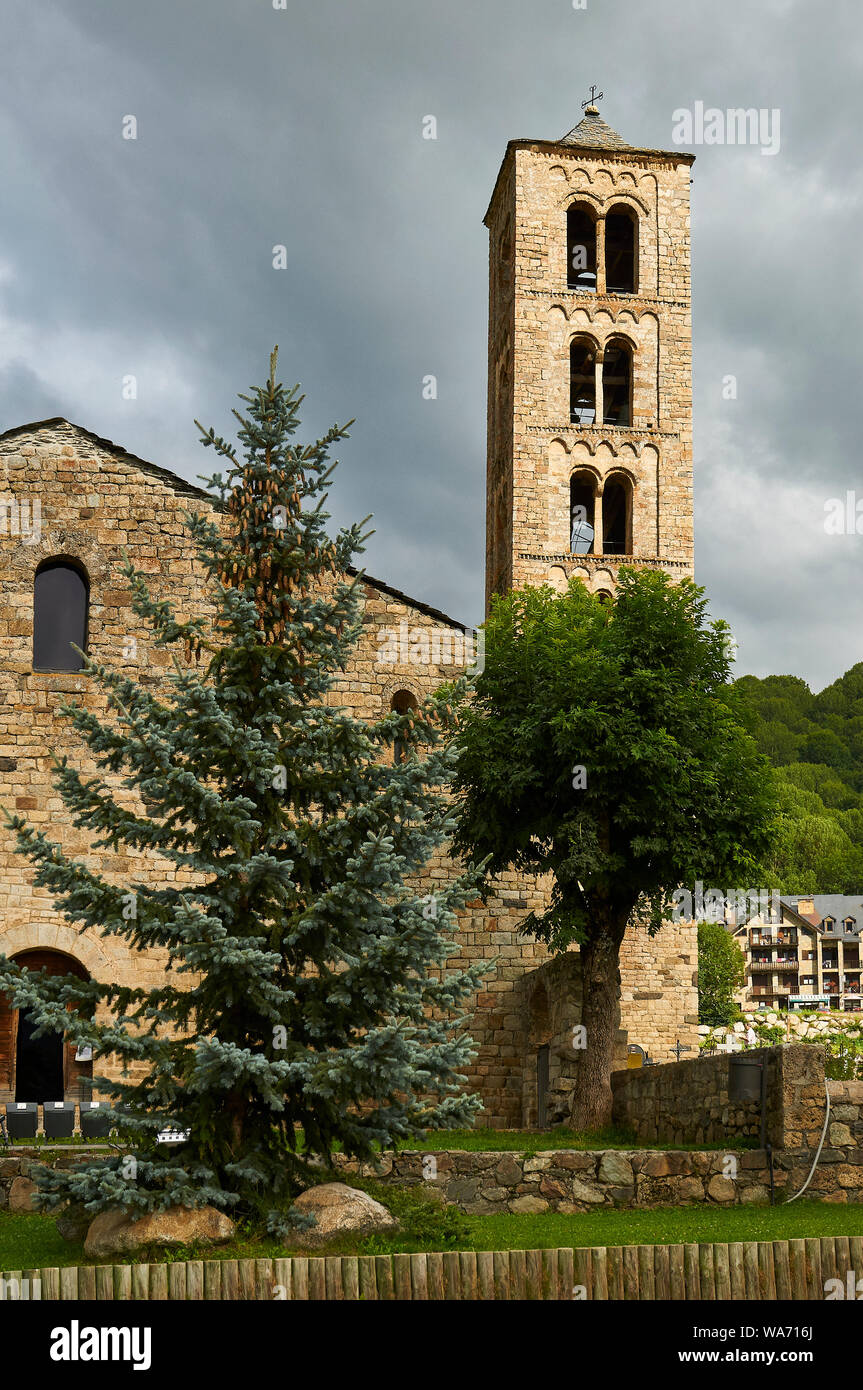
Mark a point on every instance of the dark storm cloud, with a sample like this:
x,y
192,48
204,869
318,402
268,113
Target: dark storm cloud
x,y
259,127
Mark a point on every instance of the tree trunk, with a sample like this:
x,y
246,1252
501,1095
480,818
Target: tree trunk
x,y
600,969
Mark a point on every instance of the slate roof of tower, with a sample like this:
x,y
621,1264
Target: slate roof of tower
x,y
592,130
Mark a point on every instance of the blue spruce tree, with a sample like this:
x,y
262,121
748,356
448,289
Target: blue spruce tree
x,y
307,1000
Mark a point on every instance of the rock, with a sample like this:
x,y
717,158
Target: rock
x,y
339,1211
528,1205
689,1189
21,1195
583,1192
756,1194
74,1222
118,1231
508,1171
459,1190
839,1135
615,1168
721,1189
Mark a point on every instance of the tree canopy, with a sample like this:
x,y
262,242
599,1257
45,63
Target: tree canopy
x,y
602,747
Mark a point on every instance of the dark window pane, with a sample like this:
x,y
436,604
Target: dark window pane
x,y
580,250
582,383
614,528
59,617
581,515
616,384
620,253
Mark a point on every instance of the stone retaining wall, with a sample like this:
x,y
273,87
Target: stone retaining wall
x,y
688,1102
569,1181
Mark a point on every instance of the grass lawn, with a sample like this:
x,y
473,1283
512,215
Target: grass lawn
x,y
30,1241
533,1141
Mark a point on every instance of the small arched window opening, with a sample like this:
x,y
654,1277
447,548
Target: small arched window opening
x,y
580,248
615,518
402,702
617,383
581,514
61,596
604,596
621,258
582,381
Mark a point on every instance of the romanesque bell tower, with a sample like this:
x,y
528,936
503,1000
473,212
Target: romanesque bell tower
x,y
589,352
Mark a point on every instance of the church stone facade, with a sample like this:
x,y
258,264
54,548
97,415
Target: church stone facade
x,y
93,499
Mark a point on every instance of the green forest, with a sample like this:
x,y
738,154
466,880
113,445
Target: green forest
x,y
816,744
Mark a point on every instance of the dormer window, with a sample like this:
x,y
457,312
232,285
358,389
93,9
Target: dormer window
x,y
829,924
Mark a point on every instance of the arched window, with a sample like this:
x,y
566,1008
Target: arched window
x,y
604,597
617,383
580,248
60,601
621,248
402,703
615,518
581,515
582,381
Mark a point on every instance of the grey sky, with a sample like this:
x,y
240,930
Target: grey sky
x,y
304,127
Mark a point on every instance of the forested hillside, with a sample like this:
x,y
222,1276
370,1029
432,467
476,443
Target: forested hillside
x,y
816,743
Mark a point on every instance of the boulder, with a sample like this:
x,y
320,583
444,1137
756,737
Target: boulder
x,y
339,1211
117,1232
21,1194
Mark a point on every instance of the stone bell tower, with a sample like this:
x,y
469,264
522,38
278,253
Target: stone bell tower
x,y
589,354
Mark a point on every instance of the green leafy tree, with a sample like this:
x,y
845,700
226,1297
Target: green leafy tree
x,y
600,749
308,992
721,971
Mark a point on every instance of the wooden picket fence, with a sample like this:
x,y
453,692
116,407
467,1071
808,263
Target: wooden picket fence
x,y
750,1270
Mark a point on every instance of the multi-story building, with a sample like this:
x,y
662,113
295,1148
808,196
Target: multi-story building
x,y
805,956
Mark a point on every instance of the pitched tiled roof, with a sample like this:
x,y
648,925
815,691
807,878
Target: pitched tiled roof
x,y
593,130
835,905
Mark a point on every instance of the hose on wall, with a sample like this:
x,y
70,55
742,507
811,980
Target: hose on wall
x,y
818,1154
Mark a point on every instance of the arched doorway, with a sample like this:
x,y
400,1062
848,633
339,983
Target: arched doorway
x,y
39,1069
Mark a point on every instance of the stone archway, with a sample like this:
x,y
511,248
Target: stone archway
x,y
40,1068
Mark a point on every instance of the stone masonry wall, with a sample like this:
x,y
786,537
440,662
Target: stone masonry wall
x,y
533,447
569,1181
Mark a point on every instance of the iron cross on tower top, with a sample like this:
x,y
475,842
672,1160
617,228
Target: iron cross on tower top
x,y
594,97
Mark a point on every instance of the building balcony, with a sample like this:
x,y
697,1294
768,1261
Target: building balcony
x,y
757,966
